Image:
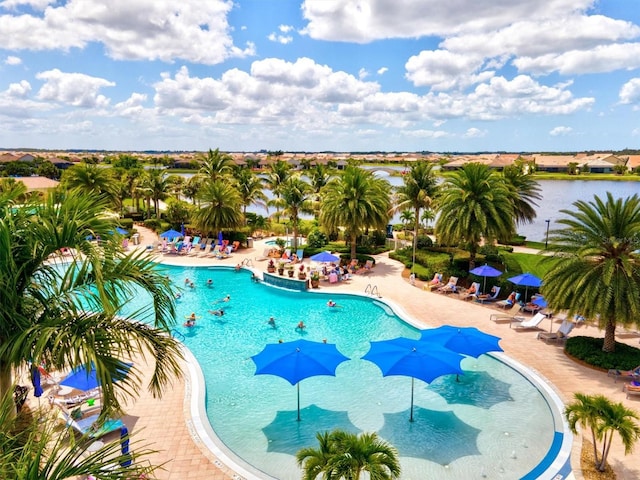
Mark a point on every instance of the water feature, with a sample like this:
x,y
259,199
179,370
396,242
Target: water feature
x,y
461,428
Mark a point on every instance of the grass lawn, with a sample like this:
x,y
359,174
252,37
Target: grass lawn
x,y
529,263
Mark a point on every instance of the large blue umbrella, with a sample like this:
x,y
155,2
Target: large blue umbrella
x,y
485,271
324,257
526,280
170,234
465,340
297,360
82,379
413,358
220,239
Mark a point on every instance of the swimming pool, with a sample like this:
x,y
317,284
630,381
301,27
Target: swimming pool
x,y
493,423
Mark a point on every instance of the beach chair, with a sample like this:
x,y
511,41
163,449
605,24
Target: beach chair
x,y
560,335
435,282
450,287
529,324
215,251
368,265
632,388
300,254
510,301
265,255
492,297
472,292
195,246
205,252
164,246
235,245
87,424
633,374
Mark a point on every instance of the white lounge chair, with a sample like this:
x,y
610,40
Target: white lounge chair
x,y
510,301
560,335
87,424
492,297
475,288
450,287
529,324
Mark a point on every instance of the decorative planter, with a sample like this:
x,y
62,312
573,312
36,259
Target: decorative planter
x,y
271,269
281,271
315,283
302,276
290,272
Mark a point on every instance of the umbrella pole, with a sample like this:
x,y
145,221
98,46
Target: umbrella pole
x,y
411,415
298,385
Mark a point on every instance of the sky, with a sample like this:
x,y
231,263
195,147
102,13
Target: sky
x,y
320,75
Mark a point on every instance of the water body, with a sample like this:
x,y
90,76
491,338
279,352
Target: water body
x,y
556,195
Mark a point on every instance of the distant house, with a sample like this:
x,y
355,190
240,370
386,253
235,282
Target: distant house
x,y
38,184
553,163
601,163
60,163
8,157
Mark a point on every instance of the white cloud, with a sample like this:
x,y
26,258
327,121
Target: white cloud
x,y
283,39
560,131
443,70
285,28
635,132
19,90
13,60
35,4
630,92
421,133
143,29
382,71
475,133
362,73
76,89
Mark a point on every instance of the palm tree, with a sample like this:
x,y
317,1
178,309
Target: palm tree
x,y
192,188
596,272
32,448
344,455
89,179
250,188
277,174
357,200
68,316
295,200
216,165
221,207
155,183
525,191
603,418
475,205
418,192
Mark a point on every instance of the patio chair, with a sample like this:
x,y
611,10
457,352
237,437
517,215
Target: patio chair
x,y
508,316
450,287
632,388
560,335
529,324
472,292
265,255
491,297
633,374
510,301
435,282
368,265
87,425
195,246
300,254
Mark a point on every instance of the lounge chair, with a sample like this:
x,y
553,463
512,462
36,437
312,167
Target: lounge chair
x,y
450,287
265,255
195,246
510,301
435,282
560,335
508,316
632,388
491,297
633,374
235,245
529,324
368,265
87,425
475,291
300,254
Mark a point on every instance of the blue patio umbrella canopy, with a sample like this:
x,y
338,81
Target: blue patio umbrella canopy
x,y
324,257
170,234
35,381
220,238
121,231
485,271
413,358
540,301
465,340
526,280
297,360
82,379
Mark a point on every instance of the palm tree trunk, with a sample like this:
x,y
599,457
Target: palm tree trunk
x,y
353,239
609,344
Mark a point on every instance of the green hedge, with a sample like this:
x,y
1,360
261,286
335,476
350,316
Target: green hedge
x,y
589,350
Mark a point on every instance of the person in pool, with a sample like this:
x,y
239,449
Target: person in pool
x,y
217,313
301,326
272,322
331,303
191,320
209,283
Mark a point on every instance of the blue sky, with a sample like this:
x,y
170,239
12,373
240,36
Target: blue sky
x,y
342,75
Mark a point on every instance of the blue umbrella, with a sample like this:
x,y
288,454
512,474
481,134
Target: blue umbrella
x,y
413,358
540,301
297,360
121,231
220,239
485,271
182,231
35,381
124,447
526,280
170,234
324,257
82,379
465,340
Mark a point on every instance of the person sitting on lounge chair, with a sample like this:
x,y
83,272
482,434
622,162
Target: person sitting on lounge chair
x,y
450,287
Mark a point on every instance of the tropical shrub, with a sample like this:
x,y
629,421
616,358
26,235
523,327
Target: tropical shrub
x,y
316,238
424,241
589,350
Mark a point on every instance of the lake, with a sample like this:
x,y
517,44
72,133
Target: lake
x,y
556,195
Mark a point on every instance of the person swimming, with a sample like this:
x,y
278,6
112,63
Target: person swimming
x,y
191,320
272,322
209,283
301,326
217,313
331,303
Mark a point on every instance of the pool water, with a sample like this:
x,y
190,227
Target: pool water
x,y
492,423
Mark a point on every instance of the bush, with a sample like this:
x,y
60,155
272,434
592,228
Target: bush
x,y
589,350
424,241
379,237
127,223
317,238
153,224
